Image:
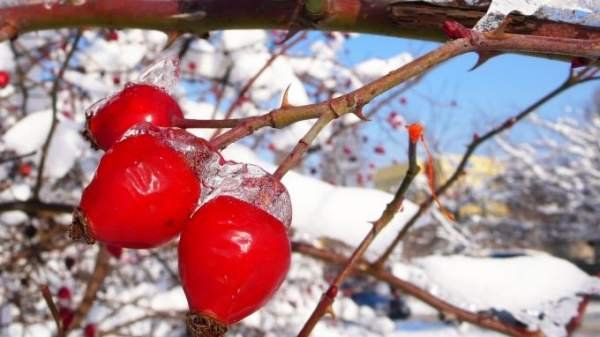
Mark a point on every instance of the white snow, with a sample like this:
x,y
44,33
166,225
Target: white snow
x,y
30,133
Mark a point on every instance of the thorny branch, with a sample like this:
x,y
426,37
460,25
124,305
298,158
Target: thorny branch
x,y
388,214
589,74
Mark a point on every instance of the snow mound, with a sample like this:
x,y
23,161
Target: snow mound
x,y
540,290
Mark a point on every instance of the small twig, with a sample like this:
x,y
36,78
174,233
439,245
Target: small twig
x,y
294,157
101,270
54,93
208,123
53,309
388,214
571,81
242,93
17,157
35,206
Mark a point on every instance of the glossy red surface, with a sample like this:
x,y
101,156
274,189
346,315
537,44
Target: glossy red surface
x,y
135,104
233,257
4,79
142,194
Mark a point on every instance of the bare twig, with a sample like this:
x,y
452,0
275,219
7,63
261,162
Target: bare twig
x,y
101,270
294,157
242,93
388,214
53,309
572,80
54,94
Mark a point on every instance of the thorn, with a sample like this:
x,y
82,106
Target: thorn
x,y
331,312
361,115
483,57
285,103
172,36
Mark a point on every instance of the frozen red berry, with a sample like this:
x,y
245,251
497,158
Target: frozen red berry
x,y
142,194
233,256
136,103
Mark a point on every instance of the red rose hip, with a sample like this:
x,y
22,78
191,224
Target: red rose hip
x,y
142,194
233,256
135,104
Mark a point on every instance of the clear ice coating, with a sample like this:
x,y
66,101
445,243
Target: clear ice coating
x,y
252,184
199,155
163,73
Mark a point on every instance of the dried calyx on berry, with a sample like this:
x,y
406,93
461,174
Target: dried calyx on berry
x,y
243,223
109,118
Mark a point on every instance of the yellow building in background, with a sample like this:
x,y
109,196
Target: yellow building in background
x,y
478,173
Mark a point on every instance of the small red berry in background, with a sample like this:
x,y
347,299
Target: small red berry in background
x,y
135,104
379,149
140,197
233,256
192,66
272,147
64,293
347,150
4,79
112,35
66,316
116,80
25,169
115,251
89,330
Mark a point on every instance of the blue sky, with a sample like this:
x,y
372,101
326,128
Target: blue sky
x,y
485,97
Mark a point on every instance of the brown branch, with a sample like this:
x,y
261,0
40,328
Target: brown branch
x,y
53,309
101,270
294,157
420,20
35,206
351,102
479,319
54,94
388,214
571,81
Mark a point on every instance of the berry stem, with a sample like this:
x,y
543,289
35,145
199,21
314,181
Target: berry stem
x,y
186,123
200,325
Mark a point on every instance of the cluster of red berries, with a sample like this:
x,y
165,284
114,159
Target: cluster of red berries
x,y
157,181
